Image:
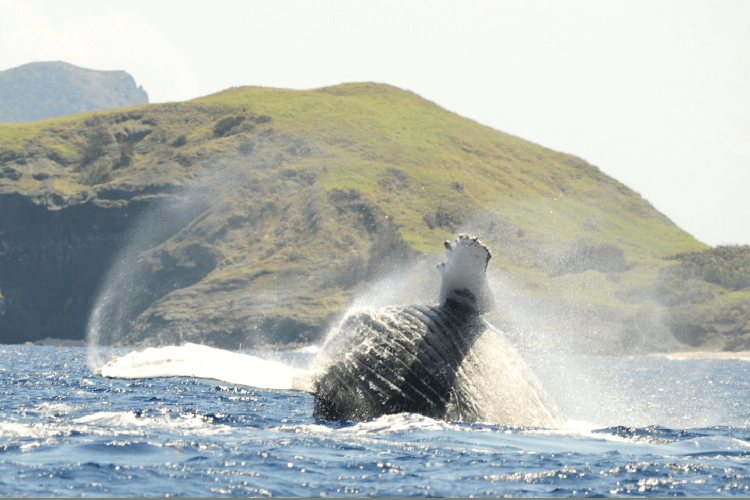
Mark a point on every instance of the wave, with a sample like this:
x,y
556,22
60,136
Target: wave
x,y
199,361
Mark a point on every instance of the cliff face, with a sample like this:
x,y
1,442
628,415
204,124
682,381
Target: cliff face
x,y
42,90
255,216
52,262
128,206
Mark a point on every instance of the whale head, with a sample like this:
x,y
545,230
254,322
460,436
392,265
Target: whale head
x,y
464,274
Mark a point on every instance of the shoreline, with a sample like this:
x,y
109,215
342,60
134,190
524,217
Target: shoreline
x,y
56,342
741,355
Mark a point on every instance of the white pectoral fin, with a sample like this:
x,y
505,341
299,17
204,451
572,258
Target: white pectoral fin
x,y
199,361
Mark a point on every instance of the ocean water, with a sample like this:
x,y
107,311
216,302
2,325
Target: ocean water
x,y
636,426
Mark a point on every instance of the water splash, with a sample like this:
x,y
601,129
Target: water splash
x,y
130,285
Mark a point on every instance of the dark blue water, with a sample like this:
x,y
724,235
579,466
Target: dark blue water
x,y
67,432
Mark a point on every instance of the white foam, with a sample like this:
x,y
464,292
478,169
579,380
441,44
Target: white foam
x,y
110,424
112,419
382,426
191,360
398,423
55,409
36,431
123,423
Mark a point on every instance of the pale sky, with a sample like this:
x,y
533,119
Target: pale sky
x,y
654,93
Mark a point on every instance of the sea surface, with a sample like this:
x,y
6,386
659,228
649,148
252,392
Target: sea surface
x,y
637,426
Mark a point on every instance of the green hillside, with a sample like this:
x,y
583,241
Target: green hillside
x,y
274,208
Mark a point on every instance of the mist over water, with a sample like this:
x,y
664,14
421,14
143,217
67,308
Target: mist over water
x,y
130,286
606,389
416,283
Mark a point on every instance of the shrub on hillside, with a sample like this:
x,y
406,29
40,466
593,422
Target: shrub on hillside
x,y
675,292
728,266
180,141
126,156
98,137
224,126
95,173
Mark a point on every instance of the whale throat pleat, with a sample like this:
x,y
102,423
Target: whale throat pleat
x,y
401,359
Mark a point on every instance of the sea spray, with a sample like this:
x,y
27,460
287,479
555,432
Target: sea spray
x,y
191,360
130,285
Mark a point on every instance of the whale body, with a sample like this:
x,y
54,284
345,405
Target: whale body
x,y
401,359
425,359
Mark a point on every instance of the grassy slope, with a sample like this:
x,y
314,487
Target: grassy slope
x,y
371,128
554,198
412,159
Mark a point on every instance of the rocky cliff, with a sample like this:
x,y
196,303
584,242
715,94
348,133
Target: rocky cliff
x,y
254,216
42,90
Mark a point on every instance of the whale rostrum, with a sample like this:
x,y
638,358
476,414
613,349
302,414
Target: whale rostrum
x,y
443,361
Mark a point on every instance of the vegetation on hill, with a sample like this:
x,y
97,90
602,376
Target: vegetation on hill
x,y
254,216
727,266
40,90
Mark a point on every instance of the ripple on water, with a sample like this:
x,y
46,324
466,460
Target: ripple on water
x,y
71,433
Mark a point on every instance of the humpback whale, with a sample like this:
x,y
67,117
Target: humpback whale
x,y
423,359
443,361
